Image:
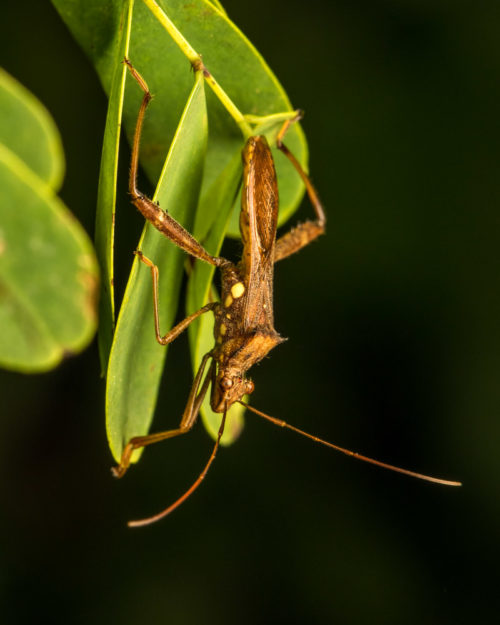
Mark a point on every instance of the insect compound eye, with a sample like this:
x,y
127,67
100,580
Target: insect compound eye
x,y
226,383
249,387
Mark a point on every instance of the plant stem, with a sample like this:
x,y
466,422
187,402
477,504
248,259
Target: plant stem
x,y
197,63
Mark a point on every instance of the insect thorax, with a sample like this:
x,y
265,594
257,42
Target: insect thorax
x,y
237,346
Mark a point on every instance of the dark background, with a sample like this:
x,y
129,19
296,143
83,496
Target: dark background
x,y
393,320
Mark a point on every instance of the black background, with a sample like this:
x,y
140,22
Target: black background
x,y
393,320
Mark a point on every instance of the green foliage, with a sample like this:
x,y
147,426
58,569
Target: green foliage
x,y
136,359
198,186
106,198
48,271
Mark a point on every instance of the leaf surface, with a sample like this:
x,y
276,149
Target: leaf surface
x,y
48,270
106,194
136,359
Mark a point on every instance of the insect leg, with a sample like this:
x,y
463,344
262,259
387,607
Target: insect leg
x,y
304,233
188,419
190,490
180,327
159,218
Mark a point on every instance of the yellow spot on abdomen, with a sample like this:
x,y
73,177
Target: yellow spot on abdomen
x,y
237,290
223,329
228,301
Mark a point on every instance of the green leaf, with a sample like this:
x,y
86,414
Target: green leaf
x,y
136,359
248,81
48,271
218,5
27,129
106,195
201,332
230,57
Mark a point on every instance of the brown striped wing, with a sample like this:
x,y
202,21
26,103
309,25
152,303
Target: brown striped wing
x,y
258,223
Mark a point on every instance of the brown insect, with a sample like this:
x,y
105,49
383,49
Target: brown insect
x,y
244,324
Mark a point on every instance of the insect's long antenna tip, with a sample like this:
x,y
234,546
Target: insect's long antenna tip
x,y
348,452
190,490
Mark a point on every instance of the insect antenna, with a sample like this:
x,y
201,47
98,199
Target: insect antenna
x,y
190,490
348,452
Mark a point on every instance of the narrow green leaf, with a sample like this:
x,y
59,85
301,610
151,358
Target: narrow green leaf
x,y
106,195
48,271
201,332
136,359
